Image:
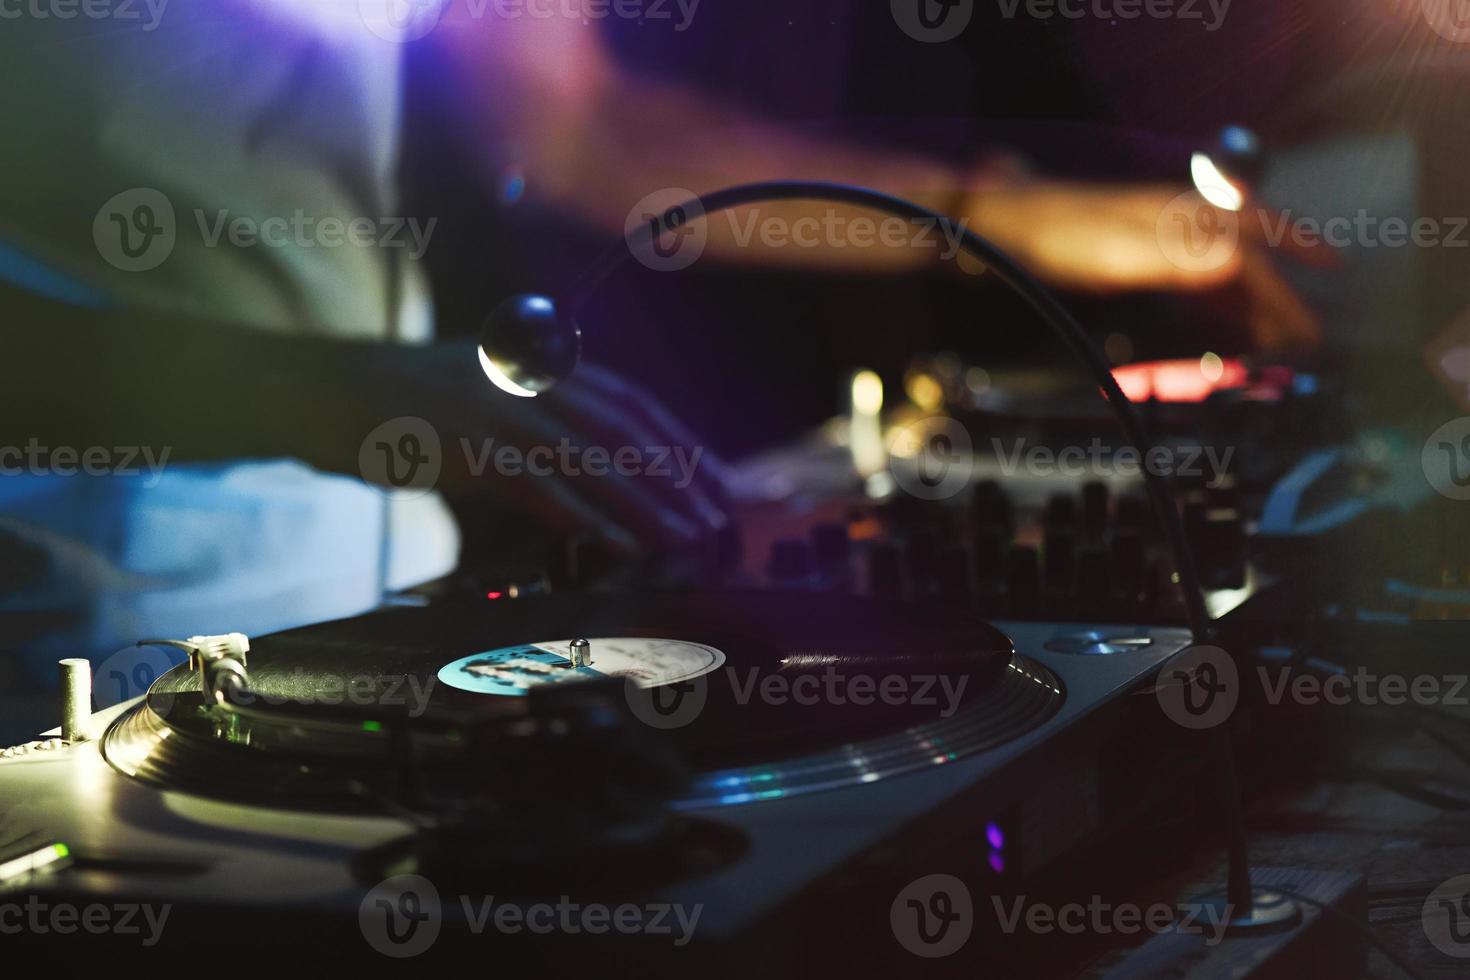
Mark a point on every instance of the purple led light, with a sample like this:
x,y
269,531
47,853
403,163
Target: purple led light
x,y
995,835
997,864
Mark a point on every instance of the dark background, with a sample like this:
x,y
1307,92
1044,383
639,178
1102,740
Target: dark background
x,y
752,358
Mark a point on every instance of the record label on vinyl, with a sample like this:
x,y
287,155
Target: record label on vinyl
x,y
514,670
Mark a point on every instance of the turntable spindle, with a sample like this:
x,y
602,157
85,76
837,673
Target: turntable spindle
x,y
76,698
581,653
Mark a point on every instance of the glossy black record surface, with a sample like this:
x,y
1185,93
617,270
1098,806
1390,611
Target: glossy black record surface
x,y
875,674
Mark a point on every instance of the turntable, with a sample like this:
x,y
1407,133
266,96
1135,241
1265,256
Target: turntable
x,y
772,759
780,770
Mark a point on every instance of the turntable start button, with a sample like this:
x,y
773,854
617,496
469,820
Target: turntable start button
x,y
1098,643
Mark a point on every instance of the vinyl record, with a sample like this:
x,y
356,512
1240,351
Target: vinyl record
x,y
761,692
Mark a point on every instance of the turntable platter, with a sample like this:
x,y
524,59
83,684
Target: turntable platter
x,y
764,693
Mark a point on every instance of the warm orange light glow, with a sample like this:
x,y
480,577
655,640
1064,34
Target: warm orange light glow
x,y
1180,381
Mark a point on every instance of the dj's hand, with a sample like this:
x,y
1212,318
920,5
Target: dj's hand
x,y
595,453
1103,239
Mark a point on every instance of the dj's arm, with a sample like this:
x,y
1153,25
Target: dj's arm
x,y
543,97
179,389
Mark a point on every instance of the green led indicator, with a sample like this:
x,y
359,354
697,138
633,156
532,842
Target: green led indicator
x,y
61,850
372,726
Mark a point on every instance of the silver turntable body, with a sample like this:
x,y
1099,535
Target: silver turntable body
x,y
1044,788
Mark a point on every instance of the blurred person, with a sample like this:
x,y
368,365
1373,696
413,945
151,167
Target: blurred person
x,y
260,362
